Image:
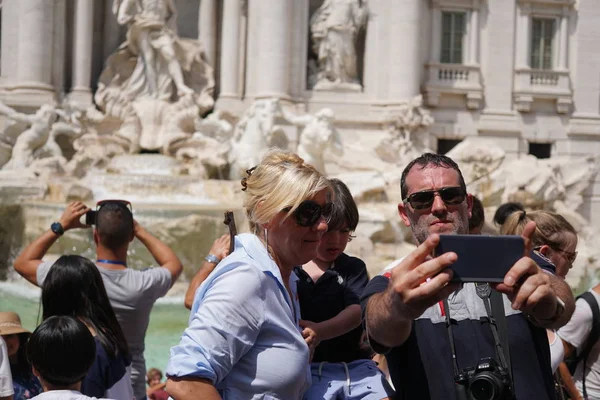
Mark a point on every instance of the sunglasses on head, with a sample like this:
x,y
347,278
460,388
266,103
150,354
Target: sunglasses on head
x,y
451,196
309,212
102,203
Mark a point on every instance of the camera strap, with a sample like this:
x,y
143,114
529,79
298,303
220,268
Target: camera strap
x,y
494,305
451,337
499,328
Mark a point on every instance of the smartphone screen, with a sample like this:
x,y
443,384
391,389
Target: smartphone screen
x,y
481,258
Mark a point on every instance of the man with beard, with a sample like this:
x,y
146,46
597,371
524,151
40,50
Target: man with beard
x,y
404,310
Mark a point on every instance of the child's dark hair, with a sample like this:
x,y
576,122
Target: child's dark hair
x,y
505,210
61,350
477,214
74,287
345,212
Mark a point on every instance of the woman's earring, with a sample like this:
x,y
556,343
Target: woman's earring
x,y
266,237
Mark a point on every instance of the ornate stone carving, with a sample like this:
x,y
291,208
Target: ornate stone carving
x,y
411,118
334,28
156,83
318,135
254,135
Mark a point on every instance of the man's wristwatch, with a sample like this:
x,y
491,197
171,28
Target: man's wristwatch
x,y
211,258
57,228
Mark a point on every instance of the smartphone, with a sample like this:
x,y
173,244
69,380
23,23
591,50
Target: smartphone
x,y
90,217
481,258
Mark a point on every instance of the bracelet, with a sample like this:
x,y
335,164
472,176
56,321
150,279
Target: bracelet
x,y
211,258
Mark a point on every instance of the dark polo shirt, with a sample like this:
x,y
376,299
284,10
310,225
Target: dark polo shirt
x,y
338,288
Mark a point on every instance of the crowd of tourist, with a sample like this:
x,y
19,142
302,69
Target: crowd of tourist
x,y
289,315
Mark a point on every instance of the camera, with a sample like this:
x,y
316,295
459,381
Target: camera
x,y
487,381
90,218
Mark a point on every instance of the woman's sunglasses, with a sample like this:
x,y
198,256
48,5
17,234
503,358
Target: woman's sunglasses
x,y
451,196
309,212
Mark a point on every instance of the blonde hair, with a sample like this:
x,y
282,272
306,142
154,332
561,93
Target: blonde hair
x,y
281,180
550,228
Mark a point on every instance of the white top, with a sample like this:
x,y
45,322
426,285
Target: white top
x,y
62,395
243,333
6,385
576,332
132,294
557,352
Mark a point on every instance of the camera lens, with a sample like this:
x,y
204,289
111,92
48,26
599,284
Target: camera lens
x,y
485,387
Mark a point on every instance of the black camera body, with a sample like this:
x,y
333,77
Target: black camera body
x,y
487,381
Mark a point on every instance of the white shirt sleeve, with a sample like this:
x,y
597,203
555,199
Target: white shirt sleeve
x,y
6,385
576,331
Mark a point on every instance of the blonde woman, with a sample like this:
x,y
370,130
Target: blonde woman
x,y
243,339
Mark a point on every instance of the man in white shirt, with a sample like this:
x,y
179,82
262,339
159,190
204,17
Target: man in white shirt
x,y
6,386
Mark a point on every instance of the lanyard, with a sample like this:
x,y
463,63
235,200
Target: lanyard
x,y
117,262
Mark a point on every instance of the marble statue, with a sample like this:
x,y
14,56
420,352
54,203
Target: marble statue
x,y
410,119
318,135
334,28
156,82
151,36
254,134
33,139
205,153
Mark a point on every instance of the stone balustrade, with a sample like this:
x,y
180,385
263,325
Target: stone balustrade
x,y
454,79
531,84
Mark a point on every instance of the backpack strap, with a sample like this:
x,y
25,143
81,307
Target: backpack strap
x,y
593,336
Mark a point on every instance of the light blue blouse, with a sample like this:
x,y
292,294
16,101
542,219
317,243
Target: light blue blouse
x,y
243,332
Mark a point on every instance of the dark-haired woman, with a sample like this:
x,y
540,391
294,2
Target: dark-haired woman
x,y
74,287
25,384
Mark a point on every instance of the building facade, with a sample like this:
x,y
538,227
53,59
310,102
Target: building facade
x,y
524,74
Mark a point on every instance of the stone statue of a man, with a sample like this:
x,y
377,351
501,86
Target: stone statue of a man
x,y
152,34
334,28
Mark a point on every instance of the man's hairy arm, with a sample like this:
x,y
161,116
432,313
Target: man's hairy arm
x,y
164,256
563,291
383,325
416,284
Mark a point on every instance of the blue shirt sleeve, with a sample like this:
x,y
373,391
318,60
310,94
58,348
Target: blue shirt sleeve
x,y
224,327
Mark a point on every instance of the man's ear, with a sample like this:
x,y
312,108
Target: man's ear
x,y
96,237
470,204
402,211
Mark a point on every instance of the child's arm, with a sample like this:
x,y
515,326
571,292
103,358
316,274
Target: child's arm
x,y
344,322
150,391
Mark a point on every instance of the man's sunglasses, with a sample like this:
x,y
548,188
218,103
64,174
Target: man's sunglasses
x,y
451,196
309,212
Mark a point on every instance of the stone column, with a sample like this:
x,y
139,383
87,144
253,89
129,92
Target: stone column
x,y
10,37
230,49
207,29
436,34
564,36
273,45
473,37
405,67
35,51
523,37
82,52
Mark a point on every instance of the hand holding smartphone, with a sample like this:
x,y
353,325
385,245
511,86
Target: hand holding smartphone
x,y
481,258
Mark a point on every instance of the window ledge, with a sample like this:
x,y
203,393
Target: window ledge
x,y
454,79
533,84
